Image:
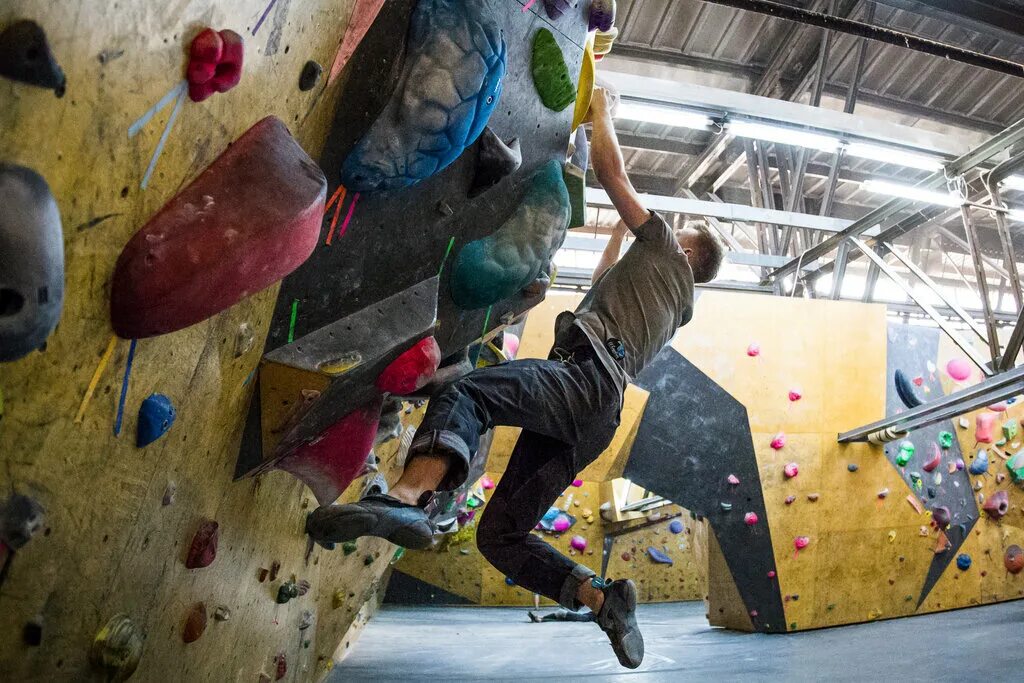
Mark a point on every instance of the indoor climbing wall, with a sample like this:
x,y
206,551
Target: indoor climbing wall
x,y
175,161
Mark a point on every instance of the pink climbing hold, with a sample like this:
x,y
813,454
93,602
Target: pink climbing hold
x,y
412,370
487,483
790,499
985,426
998,407
935,460
959,369
733,479
215,63
795,395
750,519
918,381
791,470
779,442
510,346
578,543
771,574
577,483
561,523
754,350
801,542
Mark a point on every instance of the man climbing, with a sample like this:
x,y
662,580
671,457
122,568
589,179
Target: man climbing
x,y
568,407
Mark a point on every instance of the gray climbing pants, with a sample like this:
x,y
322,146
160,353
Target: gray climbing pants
x,y
569,410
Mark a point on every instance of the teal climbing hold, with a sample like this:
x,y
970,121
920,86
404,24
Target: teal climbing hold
x,y
156,416
946,440
1016,467
494,268
550,72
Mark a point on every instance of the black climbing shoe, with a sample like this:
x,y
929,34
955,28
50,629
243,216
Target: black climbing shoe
x,y
618,619
533,617
376,515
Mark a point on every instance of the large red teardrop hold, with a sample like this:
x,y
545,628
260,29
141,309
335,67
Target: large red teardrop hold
x,y
203,550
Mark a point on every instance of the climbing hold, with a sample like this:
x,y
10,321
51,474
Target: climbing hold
x,y
985,426
21,518
215,63
222,613
25,56
495,161
626,556
980,464
1010,429
556,8
997,505
963,562
790,499
203,549
509,581
195,623
412,370
801,542
725,506
156,416
658,556
959,369
244,340
934,461
852,467
494,268
754,350
892,535
1000,478
959,464
585,88
561,523
578,543
964,424
282,666
117,648
602,15
915,478
550,72
750,519
487,483
813,497
771,573
289,590
1014,559
733,480
577,483
31,262
999,407
906,391
452,81
791,470
311,72
305,619
941,516
1016,467
946,440
779,442
795,395
675,526
884,493
932,492
251,218
905,454
603,42
576,184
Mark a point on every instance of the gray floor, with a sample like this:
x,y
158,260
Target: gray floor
x,y
471,644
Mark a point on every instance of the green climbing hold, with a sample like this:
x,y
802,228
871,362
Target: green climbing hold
x,y
905,454
368,560
1000,443
348,547
399,554
915,477
1010,429
550,72
1016,467
946,440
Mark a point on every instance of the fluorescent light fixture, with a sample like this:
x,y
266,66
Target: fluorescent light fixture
x,y
891,155
1014,182
1017,215
909,192
666,116
785,136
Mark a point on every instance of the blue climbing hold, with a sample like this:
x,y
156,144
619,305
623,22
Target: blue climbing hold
x,y
494,268
450,86
156,416
658,556
980,464
963,562
675,526
509,582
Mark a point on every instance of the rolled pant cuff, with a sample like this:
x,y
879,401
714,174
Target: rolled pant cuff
x,y
579,574
441,442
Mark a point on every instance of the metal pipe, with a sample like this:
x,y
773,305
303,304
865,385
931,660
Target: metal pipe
x,y
979,271
878,33
1003,230
988,391
1013,346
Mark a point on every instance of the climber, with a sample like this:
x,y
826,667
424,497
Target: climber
x,y
568,407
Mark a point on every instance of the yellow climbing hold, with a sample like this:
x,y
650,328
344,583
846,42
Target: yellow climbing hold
x,y
892,535
585,88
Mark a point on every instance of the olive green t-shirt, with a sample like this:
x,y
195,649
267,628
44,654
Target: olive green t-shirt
x,y
641,301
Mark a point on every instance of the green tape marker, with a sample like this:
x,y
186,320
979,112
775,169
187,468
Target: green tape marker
x,y
291,324
447,253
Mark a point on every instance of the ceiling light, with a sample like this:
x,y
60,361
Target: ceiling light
x,y
1017,215
910,192
891,155
785,136
666,116
1014,182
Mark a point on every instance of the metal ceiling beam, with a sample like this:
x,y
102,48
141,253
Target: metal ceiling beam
x,y
656,144
877,33
997,19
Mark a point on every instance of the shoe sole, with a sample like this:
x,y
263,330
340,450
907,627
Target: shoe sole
x,y
634,659
356,525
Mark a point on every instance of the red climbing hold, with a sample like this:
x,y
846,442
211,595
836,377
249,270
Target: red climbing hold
x,y
754,350
919,380
779,442
795,395
750,518
329,463
282,666
1014,559
412,370
997,505
985,425
771,574
251,218
203,550
195,623
791,470
801,542
934,461
215,63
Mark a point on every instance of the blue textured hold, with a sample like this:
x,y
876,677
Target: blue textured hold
x,y
658,556
980,464
156,416
494,268
509,582
963,562
675,526
451,84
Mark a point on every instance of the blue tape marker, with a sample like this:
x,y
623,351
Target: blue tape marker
x,y
263,17
141,122
163,139
124,388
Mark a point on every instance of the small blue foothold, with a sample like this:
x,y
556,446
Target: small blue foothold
x,y
980,464
675,526
658,556
156,416
509,582
963,562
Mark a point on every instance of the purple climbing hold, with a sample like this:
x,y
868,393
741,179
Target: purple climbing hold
x,y
658,556
602,15
941,516
675,526
556,8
